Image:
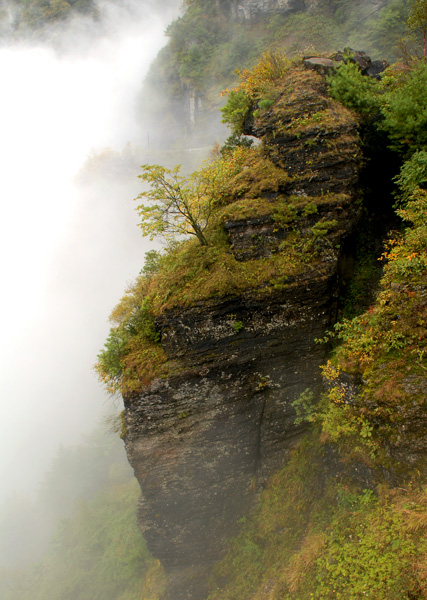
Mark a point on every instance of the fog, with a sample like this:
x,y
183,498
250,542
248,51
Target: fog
x,y
69,241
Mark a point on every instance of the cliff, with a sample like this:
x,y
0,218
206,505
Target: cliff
x,y
346,517
204,439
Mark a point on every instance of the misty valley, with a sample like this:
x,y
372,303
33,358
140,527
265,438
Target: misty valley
x,y
214,243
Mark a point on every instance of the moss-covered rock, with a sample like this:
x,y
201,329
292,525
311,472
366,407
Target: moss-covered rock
x,y
237,322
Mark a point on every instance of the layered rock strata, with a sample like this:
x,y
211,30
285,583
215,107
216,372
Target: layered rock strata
x,y
203,441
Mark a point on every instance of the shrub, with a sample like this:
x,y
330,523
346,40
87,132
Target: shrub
x,y
354,90
405,112
413,175
261,84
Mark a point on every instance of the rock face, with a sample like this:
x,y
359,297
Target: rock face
x,y
251,10
203,441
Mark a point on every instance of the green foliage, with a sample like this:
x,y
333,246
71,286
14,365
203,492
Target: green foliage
x,y
236,110
386,348
381,34
237,326
193,39
397,104
413,175
323,227
305,408
354,90
111,356
340,422
417,21
314,534
176,205
258,86
180,206
151,264
97,553
368,554
131,351
235,141
405,112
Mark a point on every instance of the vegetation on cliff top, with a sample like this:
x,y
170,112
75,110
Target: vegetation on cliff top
x,y
238,183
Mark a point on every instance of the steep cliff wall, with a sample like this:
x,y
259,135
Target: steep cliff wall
x,y
202,443
204,440
251,10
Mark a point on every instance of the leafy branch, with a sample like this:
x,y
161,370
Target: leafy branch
x,y
176,205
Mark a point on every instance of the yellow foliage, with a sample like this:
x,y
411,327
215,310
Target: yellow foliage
x,y
303,560
264,76
155,582
132,299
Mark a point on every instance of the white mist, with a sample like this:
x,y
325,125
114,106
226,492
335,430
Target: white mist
x,y
66,250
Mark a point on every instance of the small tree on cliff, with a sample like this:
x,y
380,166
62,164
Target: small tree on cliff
x,y
176,205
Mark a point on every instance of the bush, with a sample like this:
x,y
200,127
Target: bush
x,y
354,90
405,112
413,175
259,85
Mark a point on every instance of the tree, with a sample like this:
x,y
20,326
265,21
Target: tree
x,y
417,20
176,205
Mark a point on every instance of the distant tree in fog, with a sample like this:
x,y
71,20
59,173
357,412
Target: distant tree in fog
x,y
417,21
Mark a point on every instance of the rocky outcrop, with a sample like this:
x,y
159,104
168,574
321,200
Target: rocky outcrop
x,y
253,10
203,441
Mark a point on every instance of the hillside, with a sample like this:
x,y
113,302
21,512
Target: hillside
x,y
210,40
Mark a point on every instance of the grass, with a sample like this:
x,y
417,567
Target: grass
x,y
317,533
